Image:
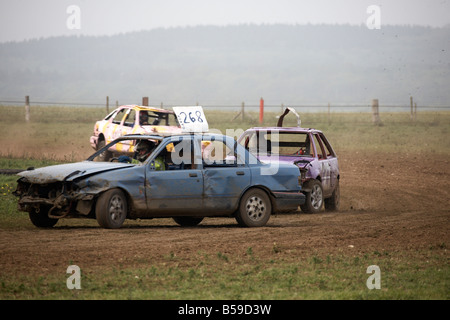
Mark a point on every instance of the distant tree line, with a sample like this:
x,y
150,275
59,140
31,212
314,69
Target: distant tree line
x,y
221,65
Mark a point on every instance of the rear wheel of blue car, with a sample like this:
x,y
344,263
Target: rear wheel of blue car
x,y
314,198
255,209
111,209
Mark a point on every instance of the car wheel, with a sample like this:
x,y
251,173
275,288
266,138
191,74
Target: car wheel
x,y
188,221
111,209
255,209
39,217
314,198
106,155
332,203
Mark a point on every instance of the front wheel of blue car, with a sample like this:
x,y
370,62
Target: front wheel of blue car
x,y
255,209
111,209
39,217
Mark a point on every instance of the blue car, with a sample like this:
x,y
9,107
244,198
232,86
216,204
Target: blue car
x,y
183,176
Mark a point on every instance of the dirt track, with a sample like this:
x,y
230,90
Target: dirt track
x,y
388,202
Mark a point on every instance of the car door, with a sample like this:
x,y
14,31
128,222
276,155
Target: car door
x,y
178,189
126,127
114,129
224,177
332,161
324,165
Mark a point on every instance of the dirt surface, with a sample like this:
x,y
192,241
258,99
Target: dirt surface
x,y
388,202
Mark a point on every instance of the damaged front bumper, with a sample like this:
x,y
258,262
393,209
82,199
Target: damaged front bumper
x,y
59,198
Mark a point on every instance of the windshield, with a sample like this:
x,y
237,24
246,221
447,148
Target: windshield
x,y
278,143
125,150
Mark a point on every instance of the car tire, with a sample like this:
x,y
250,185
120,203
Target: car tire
x,y
314,198
188,221
111,209
41,219
333,203
255,209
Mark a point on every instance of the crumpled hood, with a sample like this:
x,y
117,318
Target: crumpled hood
x,y
70,171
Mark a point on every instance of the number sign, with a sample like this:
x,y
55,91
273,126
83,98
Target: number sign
x,y
191,119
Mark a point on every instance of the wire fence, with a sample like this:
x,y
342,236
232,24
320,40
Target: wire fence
x,y
313,108
262,113
48,103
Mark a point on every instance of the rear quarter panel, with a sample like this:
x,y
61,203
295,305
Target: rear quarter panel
x,y
280,178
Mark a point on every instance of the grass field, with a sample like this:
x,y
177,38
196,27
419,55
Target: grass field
x,y
270,271
62,133
244,275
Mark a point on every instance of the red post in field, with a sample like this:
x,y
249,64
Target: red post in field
x,y
261,110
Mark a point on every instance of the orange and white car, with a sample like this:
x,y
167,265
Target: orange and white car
x,y
132,119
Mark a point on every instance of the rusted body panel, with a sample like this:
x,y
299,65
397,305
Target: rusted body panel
x,y
170,191
127,119
68,172
196,188
223,187
307,148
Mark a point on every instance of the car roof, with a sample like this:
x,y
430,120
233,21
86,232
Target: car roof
x,y
162,135
146,108
286,129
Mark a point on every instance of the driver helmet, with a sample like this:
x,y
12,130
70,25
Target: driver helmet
x,y
143,149
143,117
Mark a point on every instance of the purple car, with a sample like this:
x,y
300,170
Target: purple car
x,y
309,149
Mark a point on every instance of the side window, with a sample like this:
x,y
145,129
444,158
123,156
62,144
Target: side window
x,y
130,119
251,143
178,155
215,153
157,119
326,145
172,120
111,115
320,152
119,116
143,118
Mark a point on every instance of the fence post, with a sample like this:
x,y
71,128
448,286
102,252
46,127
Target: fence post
x,y
375,112
261,110
329,115
27,108
411,102
415,111
107,104
145,101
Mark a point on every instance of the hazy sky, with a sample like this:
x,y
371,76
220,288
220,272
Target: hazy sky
x,y
28,19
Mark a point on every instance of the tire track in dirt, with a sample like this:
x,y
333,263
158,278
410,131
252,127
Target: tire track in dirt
x,y
403,206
